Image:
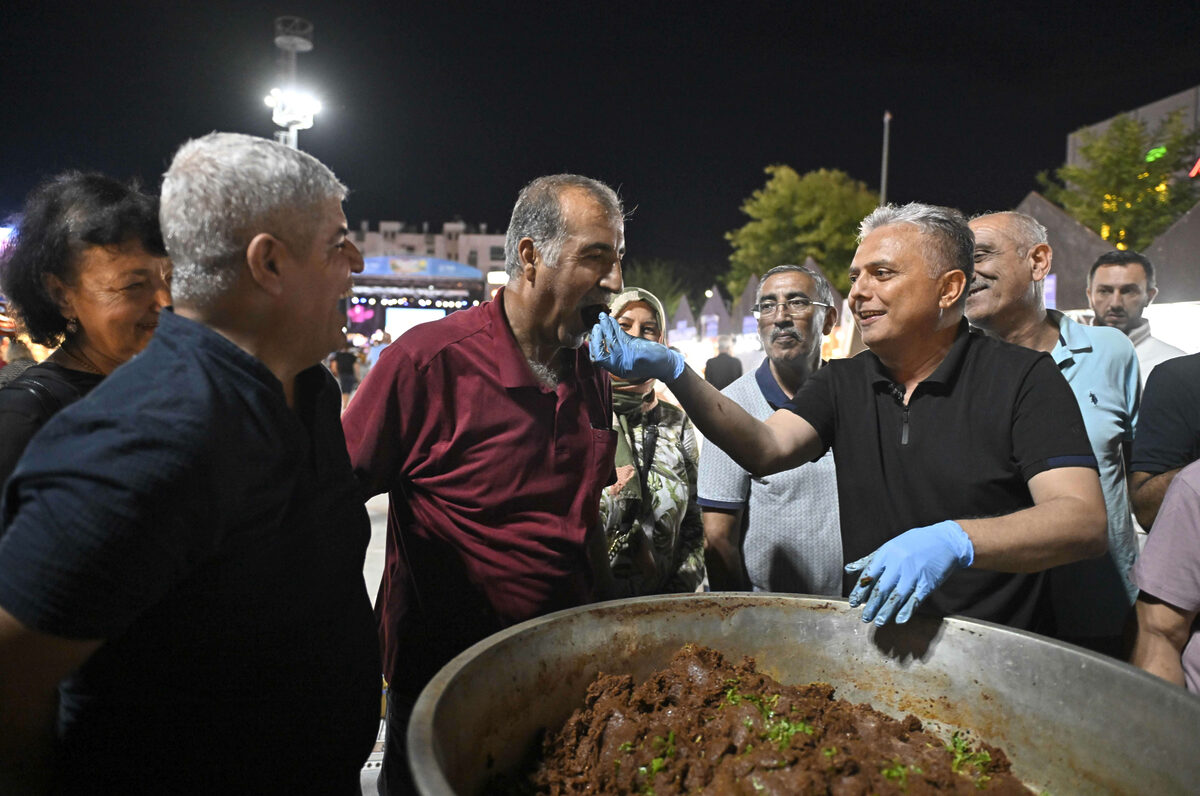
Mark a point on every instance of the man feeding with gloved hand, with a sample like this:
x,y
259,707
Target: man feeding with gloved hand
x,y
963,466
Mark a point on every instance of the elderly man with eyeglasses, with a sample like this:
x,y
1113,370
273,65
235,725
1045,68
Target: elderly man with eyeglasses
x,y
782,533
964,469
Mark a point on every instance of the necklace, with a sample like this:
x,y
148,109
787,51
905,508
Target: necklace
x,y
79,358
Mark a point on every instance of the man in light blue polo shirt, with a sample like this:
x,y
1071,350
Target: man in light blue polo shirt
x,y
792,540
1091,598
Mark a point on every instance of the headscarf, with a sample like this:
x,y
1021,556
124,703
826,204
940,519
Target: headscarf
x,y
627,405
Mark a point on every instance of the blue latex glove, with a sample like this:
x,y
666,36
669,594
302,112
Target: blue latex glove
x,y
905,570
631,358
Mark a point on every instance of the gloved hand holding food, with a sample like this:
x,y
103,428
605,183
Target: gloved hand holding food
x,y
632,358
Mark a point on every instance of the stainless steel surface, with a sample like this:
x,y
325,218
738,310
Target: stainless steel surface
x,y
1071,721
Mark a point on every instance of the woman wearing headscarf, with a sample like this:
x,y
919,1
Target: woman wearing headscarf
x,y
87,273
650,516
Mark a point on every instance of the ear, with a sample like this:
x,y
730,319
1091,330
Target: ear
x,y
1150,294
60,294
529,258
952,285
831,317
263,257
1040,257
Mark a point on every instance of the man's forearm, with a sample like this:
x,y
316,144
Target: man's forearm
x,y
26,749
722,550
1161,636
1058,531
754,445
1146,493
31,666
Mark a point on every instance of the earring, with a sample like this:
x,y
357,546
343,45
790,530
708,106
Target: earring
x,y
72,325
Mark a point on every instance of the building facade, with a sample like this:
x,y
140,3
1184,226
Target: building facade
x,y
470,244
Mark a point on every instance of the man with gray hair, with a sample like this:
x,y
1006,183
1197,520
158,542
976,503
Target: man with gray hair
x,y
792,531
181,570
1091,598
963,466
491,432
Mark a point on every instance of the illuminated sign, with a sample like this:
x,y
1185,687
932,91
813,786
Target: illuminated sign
x,y
1195,172
1155,153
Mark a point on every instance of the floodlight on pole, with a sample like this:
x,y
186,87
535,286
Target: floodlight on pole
x,y
291,108
883,167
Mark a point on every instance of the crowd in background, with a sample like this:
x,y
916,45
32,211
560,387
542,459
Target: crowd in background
x,y
184,472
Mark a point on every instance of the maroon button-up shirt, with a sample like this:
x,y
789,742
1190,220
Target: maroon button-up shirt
x,y
493,480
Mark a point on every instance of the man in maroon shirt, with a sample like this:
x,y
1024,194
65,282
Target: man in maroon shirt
x,y
491,432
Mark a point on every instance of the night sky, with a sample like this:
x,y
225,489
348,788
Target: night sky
x,y
443,109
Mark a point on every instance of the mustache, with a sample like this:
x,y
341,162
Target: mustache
x,y
792,333
601,297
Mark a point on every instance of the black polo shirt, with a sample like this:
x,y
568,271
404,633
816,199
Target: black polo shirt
x,y
989,418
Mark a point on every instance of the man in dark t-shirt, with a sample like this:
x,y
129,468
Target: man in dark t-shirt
x,y
181,596
962,462
1168,436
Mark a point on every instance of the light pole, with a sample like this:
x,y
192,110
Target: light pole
x,y
887,126
291,108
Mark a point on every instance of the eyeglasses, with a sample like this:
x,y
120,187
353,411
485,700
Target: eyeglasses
x,y
795,306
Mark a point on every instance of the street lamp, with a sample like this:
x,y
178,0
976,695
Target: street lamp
x,y
292,110
883,170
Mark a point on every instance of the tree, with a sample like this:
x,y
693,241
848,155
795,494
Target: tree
x,y
793,217
1132,183
660,277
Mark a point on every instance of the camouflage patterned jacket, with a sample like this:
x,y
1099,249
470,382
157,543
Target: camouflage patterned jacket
x,y
656,548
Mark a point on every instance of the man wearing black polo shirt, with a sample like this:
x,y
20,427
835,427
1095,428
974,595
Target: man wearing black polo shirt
x,y
183,607
963,466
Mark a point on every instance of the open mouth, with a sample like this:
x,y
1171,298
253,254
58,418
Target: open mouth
x,y
591,314
867,315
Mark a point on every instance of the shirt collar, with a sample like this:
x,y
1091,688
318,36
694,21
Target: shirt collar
x,y
183,333
1140,333
511,366
770,388
946,370
1072,339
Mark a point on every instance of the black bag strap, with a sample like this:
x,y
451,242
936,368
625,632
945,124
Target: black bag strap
x,y
52,394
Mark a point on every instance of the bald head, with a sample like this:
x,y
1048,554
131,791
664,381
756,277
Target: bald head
x,y
1012,259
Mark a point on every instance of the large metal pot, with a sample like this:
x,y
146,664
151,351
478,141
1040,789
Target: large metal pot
x,y
1071,721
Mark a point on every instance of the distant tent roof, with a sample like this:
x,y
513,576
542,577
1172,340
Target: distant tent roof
x,y
1075,249
1173,254
416,267
715,307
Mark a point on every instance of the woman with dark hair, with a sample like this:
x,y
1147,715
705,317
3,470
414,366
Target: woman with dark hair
x,y
87,272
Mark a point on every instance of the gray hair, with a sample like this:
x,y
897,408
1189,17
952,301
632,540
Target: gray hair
x,y
223,189
538,215
1026,231
951,243
822,287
